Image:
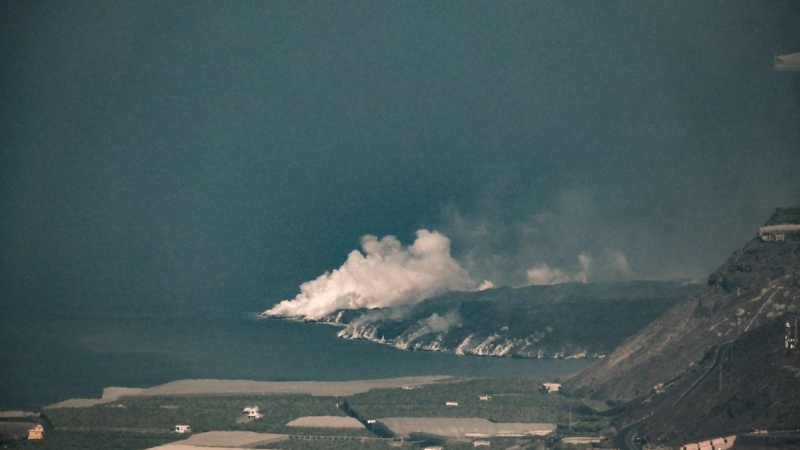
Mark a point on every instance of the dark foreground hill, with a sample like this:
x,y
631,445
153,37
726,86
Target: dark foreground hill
x,y
749,383
718,363
571,320
759,283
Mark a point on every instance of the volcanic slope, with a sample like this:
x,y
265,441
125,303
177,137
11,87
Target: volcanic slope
x,y
571,320
741,385
758,285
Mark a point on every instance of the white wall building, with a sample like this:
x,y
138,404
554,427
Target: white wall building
x,y
37,432
252,412
551,387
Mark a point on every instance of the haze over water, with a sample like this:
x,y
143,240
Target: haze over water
x,y
168,168
59,356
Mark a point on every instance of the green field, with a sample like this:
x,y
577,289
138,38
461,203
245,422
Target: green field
x,y
513,400
136,423
203,413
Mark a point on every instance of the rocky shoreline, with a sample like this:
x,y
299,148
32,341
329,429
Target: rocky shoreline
x,y
476,344
567,321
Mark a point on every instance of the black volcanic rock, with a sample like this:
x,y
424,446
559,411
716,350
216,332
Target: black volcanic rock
x,y
752,266
749,383
785,216
572,320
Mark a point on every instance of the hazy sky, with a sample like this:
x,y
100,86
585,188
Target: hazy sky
x,y
185,153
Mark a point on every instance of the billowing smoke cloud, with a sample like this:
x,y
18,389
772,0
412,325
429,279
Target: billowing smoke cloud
x,y
435,324
618,263
487,284
385,274
615,265
539,245
585,262
492,245
542,274
385,314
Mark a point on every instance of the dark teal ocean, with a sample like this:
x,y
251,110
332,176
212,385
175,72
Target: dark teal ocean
x,y
46,357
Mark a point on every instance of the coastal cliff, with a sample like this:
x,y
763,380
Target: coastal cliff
x,y
572,320
758,285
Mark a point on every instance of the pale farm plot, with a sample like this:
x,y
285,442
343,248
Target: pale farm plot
x,y
464,427
326,422
220,440
227,387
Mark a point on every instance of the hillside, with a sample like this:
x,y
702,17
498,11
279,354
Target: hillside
x,y
572,320
758,283
749,383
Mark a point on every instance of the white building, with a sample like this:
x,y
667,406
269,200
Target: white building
x,y
773,233
551,387
37,432
252,412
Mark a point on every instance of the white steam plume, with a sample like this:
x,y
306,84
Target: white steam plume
x,y
487,284
619,263
613,265
386,274
586,265
436,324
542,273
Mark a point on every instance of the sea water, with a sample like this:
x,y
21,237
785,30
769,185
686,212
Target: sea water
x,y
50,357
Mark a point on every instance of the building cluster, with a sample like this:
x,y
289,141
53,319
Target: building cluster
x,y
248,412
779,233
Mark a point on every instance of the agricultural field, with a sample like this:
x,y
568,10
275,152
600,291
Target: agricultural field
x,y
203,413
139,422
238,439
512,400
302,444
100,440
326,422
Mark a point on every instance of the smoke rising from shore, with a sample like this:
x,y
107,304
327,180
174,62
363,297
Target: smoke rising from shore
x,y
435,324
543,274
615,264
385,274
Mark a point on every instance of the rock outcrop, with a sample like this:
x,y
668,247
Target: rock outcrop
x,y
757,285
